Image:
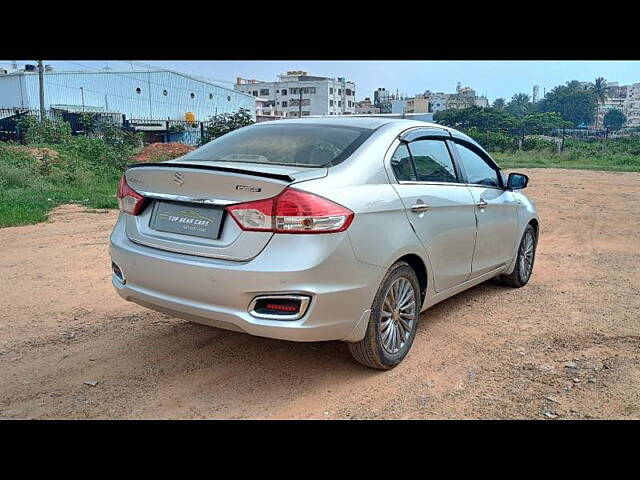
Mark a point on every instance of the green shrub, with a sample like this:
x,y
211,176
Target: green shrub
x,y
494,141
47,131
536,143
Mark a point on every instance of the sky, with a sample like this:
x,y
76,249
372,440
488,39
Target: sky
x,y
491,78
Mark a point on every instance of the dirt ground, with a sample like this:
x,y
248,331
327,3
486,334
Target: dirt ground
x,y
565,346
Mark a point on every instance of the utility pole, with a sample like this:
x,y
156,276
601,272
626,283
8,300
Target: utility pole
x,y
300,104
82,95
41,81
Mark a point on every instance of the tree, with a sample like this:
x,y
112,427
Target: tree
x,y
476,117
227,122
573,101
499,103
542,123
599,87
519,105
614,119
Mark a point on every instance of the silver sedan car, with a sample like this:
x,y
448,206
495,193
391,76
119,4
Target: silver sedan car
x,y
322,229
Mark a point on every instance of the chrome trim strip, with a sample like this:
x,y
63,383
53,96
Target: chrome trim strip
x,y
303,299
187,198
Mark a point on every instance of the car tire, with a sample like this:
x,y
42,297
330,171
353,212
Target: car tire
x,y
393,320
524,261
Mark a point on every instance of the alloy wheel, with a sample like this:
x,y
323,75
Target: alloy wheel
x,y
398,315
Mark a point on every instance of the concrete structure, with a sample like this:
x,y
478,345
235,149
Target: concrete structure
x,y
625,98
382,99
417,104
320,95
465,97
398,105
158,95
366,107
632,105
266,111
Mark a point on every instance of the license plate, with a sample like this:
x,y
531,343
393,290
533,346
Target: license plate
x,y
187,219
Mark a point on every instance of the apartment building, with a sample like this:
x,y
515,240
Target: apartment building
x,y
382,99
632,105
297,93
625,98
366,107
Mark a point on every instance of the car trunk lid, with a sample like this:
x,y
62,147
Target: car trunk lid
x,y
204,187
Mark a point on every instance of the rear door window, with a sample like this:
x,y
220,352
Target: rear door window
x,y
432,161
402,165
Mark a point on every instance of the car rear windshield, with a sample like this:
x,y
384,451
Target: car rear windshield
x,y
310,145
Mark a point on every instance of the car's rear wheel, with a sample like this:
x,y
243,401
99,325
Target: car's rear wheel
x,y
524,262
393,320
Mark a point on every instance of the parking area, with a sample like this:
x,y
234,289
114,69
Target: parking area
x,y
565,346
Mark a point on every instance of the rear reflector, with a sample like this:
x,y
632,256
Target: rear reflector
x,y
279,307
292,211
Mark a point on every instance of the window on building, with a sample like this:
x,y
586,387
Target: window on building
x,y
348,91
284,91
284,103
228,98
255,93
478,171
138,90
211,96
331,103
193,95
339,91
331,91
432,161
264,92
339,103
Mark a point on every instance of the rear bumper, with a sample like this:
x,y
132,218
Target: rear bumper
x,y
219,292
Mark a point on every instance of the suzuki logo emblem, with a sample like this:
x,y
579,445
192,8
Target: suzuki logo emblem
x,y
178,178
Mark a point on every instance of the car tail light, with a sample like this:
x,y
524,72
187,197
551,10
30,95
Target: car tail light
x,y
292,211
129,200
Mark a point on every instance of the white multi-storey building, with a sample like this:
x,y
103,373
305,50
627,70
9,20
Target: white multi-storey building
x,y
320,95
632,105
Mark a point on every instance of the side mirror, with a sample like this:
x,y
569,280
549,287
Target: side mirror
x,y
517,181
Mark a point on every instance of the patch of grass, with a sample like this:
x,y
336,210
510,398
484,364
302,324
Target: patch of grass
x,y
579,155
84,171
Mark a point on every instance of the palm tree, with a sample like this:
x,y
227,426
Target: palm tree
x,y
599,89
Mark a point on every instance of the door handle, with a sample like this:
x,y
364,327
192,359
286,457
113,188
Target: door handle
x,y
481,204
419,207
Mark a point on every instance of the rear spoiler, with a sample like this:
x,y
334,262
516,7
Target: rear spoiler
x,y
275,176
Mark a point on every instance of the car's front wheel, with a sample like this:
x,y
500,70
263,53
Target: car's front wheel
x,y
393,320
524,261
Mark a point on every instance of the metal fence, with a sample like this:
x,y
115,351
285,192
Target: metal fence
x,y
153,130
